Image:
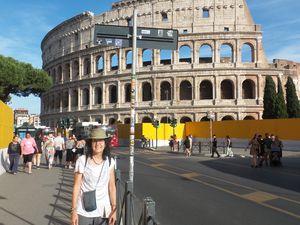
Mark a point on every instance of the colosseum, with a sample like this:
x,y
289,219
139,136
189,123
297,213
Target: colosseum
x,y
219,66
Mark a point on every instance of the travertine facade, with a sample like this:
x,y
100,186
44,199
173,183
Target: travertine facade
x,y
220,65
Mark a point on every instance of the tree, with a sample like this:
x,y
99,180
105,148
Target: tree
x,y
280,106
269,99
21,79
292,101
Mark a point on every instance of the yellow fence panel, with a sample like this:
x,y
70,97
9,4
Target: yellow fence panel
x,y
6,125
287,129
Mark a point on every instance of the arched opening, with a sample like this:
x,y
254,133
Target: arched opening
x,y
164,17
114,62
249,118
65,99
98,120
127,120
74,100
165,119
113,95
227,118
165,57
206,90
247,53
85,96
127,92
59,74
248,89
75,69
147,92
205,54
165,91
100,64
227,91
67,71
146,119
185,54
186,90
129,60
226,53
57,101
204,119
112,121
147,57
86,66
185,119
98,95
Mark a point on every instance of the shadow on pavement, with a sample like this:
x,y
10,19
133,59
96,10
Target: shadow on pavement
x,y
285,177
60,214
20,218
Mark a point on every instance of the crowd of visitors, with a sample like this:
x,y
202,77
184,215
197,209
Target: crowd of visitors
x,y
53,147
266,150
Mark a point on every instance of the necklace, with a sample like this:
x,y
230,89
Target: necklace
x,y
98,163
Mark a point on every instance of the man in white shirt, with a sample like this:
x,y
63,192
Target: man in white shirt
x,y
59,145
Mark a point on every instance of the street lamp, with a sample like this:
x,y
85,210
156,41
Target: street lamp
x,y
210,116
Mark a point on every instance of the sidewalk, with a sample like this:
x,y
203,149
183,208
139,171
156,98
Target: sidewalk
x,y
43,198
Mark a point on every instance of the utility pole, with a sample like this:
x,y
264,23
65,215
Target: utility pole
x,y
133,98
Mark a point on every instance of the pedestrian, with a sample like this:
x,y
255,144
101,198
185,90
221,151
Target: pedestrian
x,y
144,141
261,153
95,173
228,146
38,154
28,147
267,143
70,145
214,146
188,145
171,143
49,150
175,143
276,151
254,149
80,147
14,152
59,144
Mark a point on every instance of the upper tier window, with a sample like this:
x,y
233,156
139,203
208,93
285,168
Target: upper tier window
x,y
164,17
205,13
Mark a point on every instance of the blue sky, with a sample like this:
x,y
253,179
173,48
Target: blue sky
x,y
24,23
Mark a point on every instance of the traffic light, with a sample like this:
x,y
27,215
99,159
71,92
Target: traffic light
x,y
155,123
173,122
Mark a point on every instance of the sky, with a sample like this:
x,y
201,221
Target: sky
x,y
24,23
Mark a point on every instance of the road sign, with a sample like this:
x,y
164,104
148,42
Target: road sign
x,y
121,36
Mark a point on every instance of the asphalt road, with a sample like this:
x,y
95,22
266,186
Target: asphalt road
x,y
187,191
205,191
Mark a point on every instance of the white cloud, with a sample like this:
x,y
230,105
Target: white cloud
x,y
289,52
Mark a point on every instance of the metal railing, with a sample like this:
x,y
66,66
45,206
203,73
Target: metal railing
x,y
130,211
202,147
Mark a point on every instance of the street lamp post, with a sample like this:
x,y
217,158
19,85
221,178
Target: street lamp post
x,y
210,116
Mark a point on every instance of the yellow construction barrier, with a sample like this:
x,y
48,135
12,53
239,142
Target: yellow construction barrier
x,y
6,125
287,129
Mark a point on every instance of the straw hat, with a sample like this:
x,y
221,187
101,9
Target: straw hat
x,y
98,133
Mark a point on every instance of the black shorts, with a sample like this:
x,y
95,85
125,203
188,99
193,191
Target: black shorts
x,y
79,151
27,158
70,155
58,153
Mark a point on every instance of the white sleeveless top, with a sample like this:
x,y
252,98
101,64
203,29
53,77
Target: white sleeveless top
x,y
90,177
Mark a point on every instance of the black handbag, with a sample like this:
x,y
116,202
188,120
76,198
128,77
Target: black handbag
x,y
89,197
89,200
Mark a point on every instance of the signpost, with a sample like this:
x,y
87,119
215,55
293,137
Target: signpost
x,y
135,37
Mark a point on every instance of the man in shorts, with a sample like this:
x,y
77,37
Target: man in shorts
x,y
59,145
